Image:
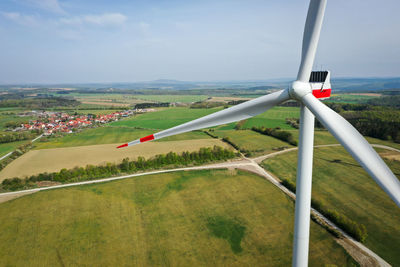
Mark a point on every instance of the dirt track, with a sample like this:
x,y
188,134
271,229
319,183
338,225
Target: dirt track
x,y
54,159
363,255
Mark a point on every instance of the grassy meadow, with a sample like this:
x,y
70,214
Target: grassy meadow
x,y
202,218
353,98
340,183
132,99
9,147
126,130
252,141
109,135
275,117
172,98
164,118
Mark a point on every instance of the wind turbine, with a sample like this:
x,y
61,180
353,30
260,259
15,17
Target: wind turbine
x,y
302,91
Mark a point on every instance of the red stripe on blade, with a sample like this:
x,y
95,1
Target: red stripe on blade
x,y
124,145
322,93
147,138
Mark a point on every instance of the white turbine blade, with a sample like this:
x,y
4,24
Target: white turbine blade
x,y
356,145
236,113
311,34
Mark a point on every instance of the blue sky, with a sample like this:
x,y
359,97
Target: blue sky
x,y
56,41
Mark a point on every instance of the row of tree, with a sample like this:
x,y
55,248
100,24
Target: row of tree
x,y
374,121
356,230
384,125
151,105
208,104
90,172
277,133
294,122
7,137
39,102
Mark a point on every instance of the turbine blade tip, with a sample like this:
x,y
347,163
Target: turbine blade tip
x,y
124,145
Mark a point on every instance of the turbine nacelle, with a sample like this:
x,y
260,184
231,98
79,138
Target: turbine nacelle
x,y
319,85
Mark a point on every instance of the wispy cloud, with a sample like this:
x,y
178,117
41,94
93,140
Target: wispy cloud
x,y
26,20
48,5
106,19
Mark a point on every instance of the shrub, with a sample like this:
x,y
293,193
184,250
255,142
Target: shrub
x,y
277,133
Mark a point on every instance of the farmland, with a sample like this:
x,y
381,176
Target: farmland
x,y
187,218
275,117
164,118
132,99
51,160
341,184
9,147
108,135
148,123
253,142
353,98
106,99
172,98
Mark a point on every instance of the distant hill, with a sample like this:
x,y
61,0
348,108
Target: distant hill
x,y
365,84
338,84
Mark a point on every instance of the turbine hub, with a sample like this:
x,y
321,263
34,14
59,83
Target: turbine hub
x,y
298,89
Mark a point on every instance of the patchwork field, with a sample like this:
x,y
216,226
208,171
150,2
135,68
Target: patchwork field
x,y
165,118
107,99
109,135
202,218
341,184
172,98
55,159
226,99
353,98
323,137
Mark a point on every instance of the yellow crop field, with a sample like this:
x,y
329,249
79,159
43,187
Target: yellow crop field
x,y
54,159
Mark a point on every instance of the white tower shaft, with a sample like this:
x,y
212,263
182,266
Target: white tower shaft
x,y
303,188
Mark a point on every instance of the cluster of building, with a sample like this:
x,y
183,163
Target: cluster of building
x,y
52,122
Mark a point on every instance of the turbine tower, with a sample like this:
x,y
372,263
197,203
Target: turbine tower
x,y
308,87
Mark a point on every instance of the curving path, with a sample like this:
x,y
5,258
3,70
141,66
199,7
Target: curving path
x,y
362,254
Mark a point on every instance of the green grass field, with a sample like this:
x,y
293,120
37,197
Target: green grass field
x,y
8,147
164,118
136,98
109,135
172,98
96,111
202,218
275,117
173,116
343,185
323,137
254,142
4,118
353,99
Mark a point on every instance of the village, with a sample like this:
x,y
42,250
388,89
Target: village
x,y
50,122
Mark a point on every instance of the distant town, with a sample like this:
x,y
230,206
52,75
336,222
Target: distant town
x,y
50,122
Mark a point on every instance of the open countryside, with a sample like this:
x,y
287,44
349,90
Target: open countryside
x,y
203,133
97,146
339,183
169,219
52,160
